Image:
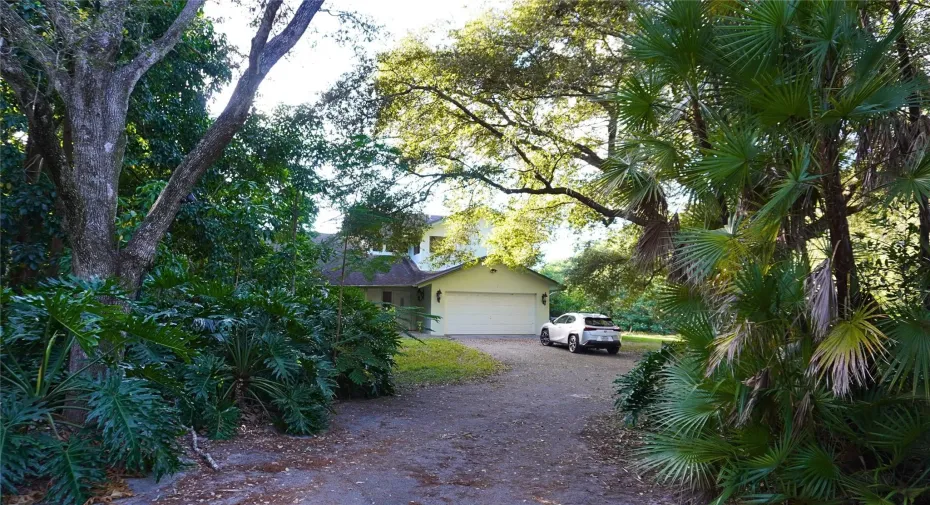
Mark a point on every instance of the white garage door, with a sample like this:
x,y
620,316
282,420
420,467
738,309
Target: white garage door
x,y
490,313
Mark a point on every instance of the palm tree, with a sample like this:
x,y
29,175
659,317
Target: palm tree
x,y
790,130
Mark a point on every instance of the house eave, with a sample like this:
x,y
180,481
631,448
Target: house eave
x,y
430,278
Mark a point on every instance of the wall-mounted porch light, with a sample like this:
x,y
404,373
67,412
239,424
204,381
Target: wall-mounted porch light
x,y
545,298
438,296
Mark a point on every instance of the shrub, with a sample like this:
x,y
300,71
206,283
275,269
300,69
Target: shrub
x,y
128,423
748,407
639,389
188,353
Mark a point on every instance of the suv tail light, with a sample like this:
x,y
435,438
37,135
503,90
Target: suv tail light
x,y
589,328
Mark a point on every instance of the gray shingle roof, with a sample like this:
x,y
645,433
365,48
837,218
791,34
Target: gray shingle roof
x,y
403,272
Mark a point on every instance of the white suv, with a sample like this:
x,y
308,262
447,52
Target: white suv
x,y
580,331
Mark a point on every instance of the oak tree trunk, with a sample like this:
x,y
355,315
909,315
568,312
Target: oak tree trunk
x,y
76,105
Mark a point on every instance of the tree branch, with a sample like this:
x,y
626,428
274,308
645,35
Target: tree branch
x,y
158,49
24,37
284,41
107,32
61,20
261,35
583,152
140,251
42,129
547,189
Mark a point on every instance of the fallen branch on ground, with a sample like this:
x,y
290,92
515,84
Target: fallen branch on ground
x,y
202,453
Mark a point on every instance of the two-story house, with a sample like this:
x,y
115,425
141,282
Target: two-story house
x,y
469,298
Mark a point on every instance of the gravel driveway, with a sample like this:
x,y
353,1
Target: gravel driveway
x,y
518,438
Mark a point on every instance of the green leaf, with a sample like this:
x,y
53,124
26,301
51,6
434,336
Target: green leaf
x,y
303,410
75,467
137,427
910,353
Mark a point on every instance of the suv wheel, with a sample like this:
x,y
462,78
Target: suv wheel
x,y
613,350
544,338
573,345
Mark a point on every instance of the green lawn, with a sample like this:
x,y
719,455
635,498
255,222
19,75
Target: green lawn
x,y
642,342
440,361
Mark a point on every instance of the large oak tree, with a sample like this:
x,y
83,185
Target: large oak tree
x,y
636,111
73,72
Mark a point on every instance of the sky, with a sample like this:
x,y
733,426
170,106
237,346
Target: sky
x,y
317,62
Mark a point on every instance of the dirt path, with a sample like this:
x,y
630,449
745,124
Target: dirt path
x,y
519,438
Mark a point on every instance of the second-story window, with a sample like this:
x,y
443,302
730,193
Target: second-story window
x,y
416,249
435,243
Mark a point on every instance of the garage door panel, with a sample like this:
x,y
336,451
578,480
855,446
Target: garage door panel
x,y
490,313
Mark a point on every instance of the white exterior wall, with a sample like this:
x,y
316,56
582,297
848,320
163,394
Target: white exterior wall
x,y
477,248
479,279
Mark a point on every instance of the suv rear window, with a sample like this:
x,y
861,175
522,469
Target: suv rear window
x,y
599,322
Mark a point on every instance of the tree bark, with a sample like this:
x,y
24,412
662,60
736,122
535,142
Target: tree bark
x,y
923,216
844,264
84,160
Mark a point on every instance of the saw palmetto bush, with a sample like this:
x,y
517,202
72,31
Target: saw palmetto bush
x,y
795,136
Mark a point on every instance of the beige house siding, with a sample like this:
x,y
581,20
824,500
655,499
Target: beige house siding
x,y
480,279
401,297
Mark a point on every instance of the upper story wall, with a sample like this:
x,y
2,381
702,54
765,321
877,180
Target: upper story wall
x,y
422,256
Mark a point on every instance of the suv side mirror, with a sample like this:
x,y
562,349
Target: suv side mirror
x,y
551,319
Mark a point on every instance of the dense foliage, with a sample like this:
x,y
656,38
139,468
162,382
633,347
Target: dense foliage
x,y
602,278
639,389
191,352
234,325
798,279
774,158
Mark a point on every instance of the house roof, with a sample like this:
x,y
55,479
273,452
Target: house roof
x,y
401,273
435,275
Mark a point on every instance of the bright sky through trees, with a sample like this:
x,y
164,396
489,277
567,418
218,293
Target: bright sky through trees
x,y
319,60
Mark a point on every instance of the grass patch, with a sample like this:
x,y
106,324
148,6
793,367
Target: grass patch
x,y
642,342
440,361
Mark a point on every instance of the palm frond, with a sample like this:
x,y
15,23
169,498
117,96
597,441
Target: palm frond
x,y
849,350
729,163
913,182
688,461
797,183
752,40
817,470
640,101
899,432
909,357
632,184
704,252
821,297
